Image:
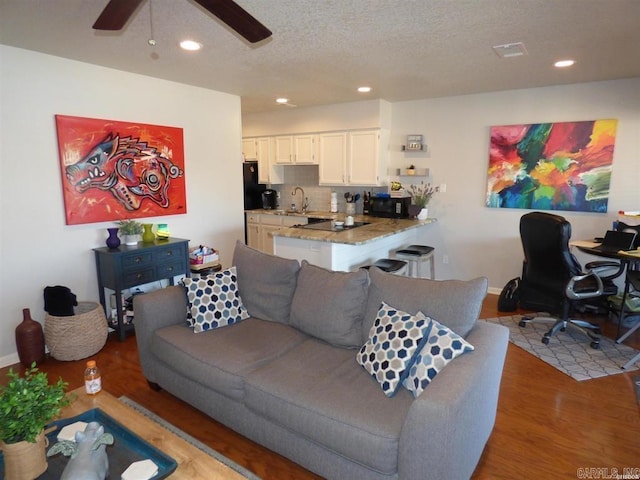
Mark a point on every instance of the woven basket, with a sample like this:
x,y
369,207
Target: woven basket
x,y
78,336
25,460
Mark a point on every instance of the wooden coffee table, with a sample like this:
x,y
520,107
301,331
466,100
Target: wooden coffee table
x,y
193,463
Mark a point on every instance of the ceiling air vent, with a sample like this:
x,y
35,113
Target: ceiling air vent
x,y
510,50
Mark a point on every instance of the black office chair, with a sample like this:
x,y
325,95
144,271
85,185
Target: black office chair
x,y
623,227
552,278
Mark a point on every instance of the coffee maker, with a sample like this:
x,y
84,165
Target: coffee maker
x,y
269,199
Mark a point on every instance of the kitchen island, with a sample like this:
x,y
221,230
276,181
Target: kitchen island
x,y
350,248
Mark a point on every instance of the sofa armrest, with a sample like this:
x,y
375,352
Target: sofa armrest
x,y
154,310
454,416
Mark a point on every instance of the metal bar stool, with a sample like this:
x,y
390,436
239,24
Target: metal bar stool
x,y
390,265
417,255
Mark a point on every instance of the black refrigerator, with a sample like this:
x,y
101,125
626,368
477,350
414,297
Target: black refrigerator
x,y
252,190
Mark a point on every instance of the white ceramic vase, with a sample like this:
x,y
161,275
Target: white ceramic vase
x,y
424,214
131,239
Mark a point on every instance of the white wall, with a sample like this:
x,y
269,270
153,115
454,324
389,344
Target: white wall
x,y
36,247
485,241
478,240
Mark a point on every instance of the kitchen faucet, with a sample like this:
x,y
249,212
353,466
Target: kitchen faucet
x,y
305,200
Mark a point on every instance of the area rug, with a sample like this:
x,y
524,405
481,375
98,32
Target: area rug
x,y
189,439
569,351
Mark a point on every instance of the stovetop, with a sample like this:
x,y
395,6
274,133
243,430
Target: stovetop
x,y
330,226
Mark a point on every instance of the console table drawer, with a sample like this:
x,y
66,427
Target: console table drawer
x,y
167,270
164,254
138,277
137,259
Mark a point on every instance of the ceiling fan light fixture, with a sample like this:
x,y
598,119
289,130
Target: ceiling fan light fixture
x,y
190,45
364,89
564,63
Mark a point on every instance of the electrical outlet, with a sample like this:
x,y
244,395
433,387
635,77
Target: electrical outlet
x,y
445,259
443,187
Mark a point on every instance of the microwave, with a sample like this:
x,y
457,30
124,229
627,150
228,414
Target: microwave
x,y
389,207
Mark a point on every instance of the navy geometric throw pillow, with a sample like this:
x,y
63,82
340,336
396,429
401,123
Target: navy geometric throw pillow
x,y
214,301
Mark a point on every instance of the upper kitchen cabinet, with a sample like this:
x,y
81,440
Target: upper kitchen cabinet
x,y
295,150
262,149
249,151
332,158
353,158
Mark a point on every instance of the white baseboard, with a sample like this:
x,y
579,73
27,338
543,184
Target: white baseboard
x,y
9,360
494,290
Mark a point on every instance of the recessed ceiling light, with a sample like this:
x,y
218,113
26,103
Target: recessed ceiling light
x,y
190,45
282,100
364,89
564,63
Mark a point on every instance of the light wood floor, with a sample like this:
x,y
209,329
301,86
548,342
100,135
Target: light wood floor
x,y
548,425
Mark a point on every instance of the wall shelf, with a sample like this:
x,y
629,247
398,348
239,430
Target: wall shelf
x,y
402,172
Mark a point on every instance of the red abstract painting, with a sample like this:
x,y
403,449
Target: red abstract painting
x,y
551,166
118,170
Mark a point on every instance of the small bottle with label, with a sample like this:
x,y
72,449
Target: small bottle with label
x,y
92,379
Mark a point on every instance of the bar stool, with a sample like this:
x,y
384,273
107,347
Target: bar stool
x,y
390,265
417,255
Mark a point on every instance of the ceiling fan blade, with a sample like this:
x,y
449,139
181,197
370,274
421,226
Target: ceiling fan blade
x,y
237,18
115,14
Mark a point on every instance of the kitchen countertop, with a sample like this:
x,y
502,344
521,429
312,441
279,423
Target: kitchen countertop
x,y
378,227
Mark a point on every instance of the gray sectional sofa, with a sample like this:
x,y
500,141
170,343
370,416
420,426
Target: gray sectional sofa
x,y
287,376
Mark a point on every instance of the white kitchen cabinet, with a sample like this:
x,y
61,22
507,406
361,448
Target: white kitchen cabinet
x,y
262,149
332,158
249,149
295,150
353,158
304,150
267,171
261,226
367,163
253,231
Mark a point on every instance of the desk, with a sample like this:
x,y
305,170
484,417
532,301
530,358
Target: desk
x,y
629,261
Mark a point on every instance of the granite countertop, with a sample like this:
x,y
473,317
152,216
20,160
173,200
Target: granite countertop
x,y
377,228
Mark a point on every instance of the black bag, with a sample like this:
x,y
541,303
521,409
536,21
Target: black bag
x,y
508,300
59,301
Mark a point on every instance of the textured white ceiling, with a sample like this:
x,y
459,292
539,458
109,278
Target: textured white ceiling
x,y
321,50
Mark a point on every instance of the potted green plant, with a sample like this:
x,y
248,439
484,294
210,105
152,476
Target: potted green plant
x,y
27,404
421,195
130,230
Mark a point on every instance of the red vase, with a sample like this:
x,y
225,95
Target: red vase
x,y
29,340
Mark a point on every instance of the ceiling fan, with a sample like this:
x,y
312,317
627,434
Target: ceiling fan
x,y
117,12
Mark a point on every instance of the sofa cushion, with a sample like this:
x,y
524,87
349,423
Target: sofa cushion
x,y
266,283
441,347
454,303
221,358
394,339
321,393
335,315
214,300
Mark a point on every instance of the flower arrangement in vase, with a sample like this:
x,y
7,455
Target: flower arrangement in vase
x,y
421,196
131,231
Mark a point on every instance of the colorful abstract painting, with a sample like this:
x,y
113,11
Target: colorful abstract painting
x,y
118,170
551,166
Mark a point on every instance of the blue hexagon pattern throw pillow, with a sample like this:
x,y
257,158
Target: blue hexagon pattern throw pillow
x,y
442,346
214,301
393,340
